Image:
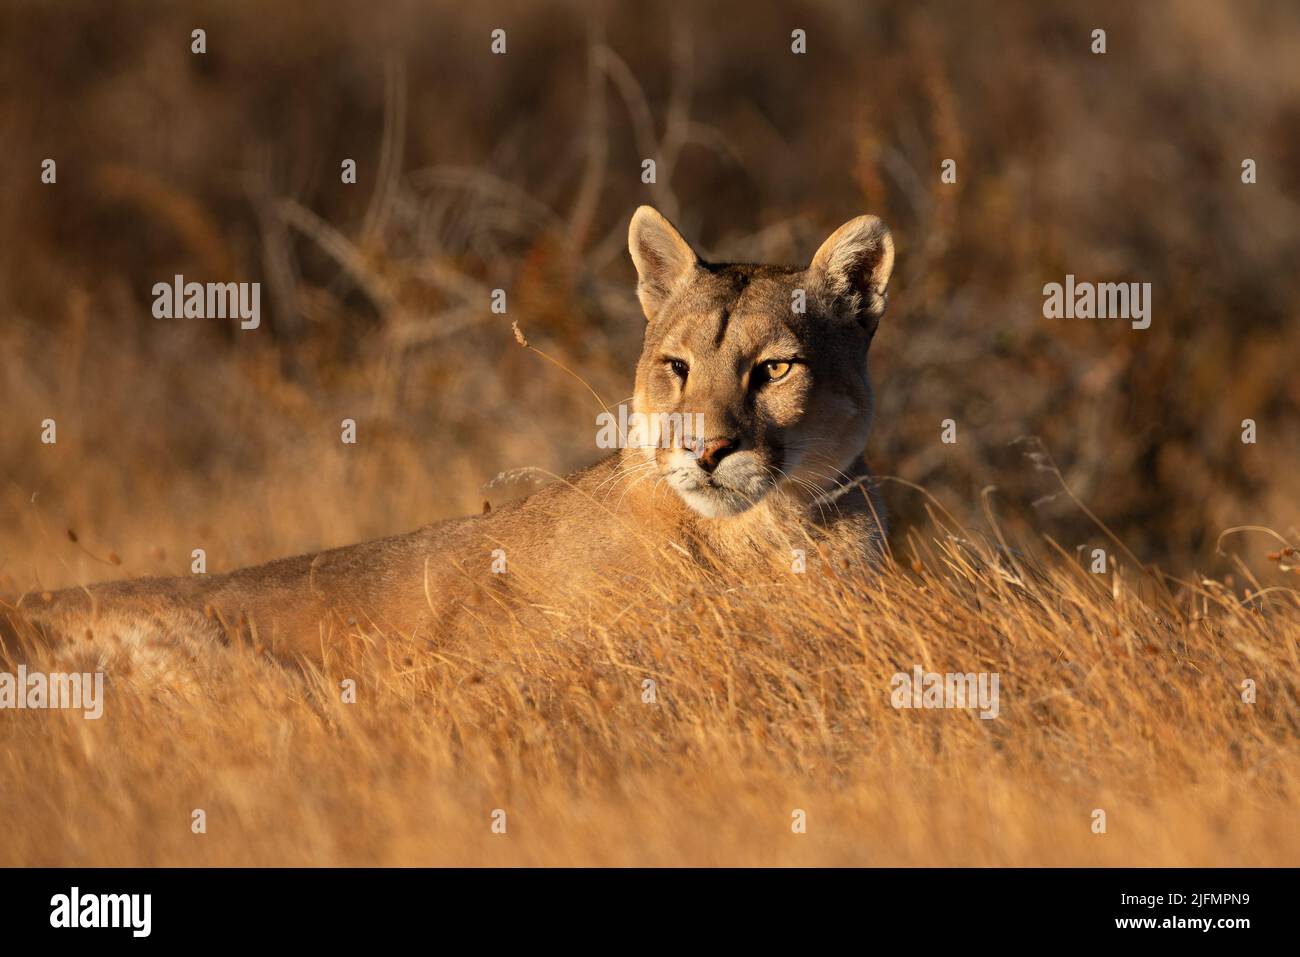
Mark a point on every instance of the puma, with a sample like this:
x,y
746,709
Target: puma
x,y
767,366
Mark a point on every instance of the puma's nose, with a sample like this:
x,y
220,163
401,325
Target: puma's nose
x,y
713,451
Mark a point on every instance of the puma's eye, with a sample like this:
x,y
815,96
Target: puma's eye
x,y
776,370
680,368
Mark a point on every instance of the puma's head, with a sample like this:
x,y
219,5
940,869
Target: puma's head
x,y
755,377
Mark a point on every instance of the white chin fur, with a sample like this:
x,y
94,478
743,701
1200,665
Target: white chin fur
x,y
715,502
737,486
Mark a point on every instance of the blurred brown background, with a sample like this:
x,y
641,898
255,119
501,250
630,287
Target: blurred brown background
x,y
520,171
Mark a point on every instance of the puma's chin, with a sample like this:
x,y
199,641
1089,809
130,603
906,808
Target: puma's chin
x,y
711,501
735,487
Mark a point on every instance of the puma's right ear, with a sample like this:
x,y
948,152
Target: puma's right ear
x,y
853,268
662,258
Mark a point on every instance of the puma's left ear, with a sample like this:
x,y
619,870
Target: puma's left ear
x,y
662,258
852,268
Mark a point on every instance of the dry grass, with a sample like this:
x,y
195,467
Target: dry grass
x,y
1118,692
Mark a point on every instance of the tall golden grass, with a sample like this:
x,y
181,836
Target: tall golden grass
x,y
1120,692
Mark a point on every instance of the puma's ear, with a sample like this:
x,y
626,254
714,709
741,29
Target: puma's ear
x,y
663,259
853,266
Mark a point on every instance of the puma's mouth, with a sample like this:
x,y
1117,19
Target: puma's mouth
x,y
739,483
712,500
